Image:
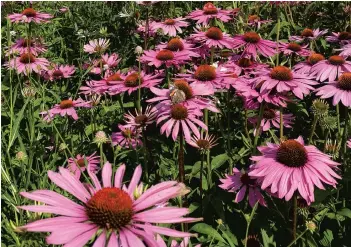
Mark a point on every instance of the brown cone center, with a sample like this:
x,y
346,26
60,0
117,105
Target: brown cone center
x,y
251,37
281,73
205,73
214,33
344,81
336,60
175,44
179,112
133,79
29,12
292,154
65,104
27,58
165,55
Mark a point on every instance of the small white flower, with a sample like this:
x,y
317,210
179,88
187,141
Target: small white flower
x,y
106,67
138,50
13,33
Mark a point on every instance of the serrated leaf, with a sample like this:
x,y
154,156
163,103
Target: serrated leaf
x,y
267,241
208,230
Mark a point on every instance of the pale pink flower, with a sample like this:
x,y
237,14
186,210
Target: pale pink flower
x,y
203,143
128,137
213,37
140,119
80,163
102,86
306,66
345,51
208,13
97,46
342,38
170,26
294,49
239,183
255,20
66,107
27,62
309,35
30,15
177,45
164,57
108,211
59,72
330,69
349,143
291,166
25,46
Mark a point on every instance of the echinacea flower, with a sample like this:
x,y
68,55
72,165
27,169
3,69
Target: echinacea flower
x,y
342,37
271,118
239,183
191,95
102,86
253,44
206,74
244,65
208,13
66,107
128,137
97,46
170,26
27,46
106,62
345,50
340,90
164,57
30,15
133,80
291,166
293,48
174,243
108,211
255,20
213,37
80,163
27,62
282,79
142,29
140,119
308,34
59,72
179,118
177,45
349,143
203,143
330,69
305,67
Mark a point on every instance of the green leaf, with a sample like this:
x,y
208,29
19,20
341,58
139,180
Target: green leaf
x,y
327,238
345,212
267,241
219,160
229,236
208,230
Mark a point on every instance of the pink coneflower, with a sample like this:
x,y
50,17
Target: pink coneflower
x,y
170,26
208,13
64,9
140,119
282,79
106,62
128,137
66,107
179,117
191,95
271,118
27,46
104,85
30,15
253,95
340,90
59,72
244,65
342,37
206,74
293,48
330,69
239,183
179,45
27,62
78,165
349,143
213,37
345,51
109,211
305,67
142,29
203,143
174,243
255,20
164,57
133,80
308,34
97,46
253,43
292,166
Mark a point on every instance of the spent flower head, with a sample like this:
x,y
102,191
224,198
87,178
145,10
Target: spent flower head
x,y
320,108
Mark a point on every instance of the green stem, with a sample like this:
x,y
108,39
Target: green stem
x,y
278,33
258,127
201,174
338,118
325,141
249,220
314,124
300,236
146,29
281,129
212,54
139,89
181,157
344,138
146,154
294,216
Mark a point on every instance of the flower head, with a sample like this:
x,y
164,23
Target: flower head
x,y
21,156
255,20
252,44
164,57
170,26
320,108
97,46
340,90
291,166
239,183
203,143
213,37
128,137
58,72
305,67
23,45
308,35
27,62
178,45
141,119
209,12
330,69
108,210
80,163
100,137
65,107
341,37
30,15
294,48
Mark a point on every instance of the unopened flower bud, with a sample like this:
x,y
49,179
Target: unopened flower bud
x,y
21,156
63,146
100,137
311,226
138,50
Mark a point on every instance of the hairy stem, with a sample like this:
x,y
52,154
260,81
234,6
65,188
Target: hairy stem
x,y
294,216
